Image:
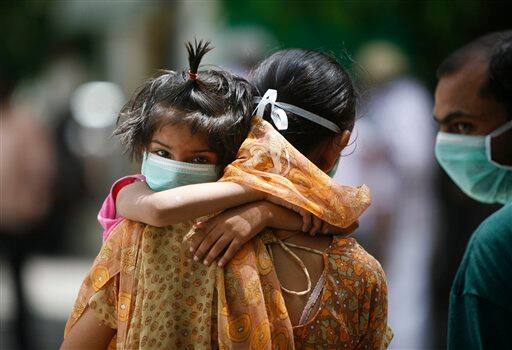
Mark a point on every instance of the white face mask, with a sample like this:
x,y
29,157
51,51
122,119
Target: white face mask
x,y
468,162
163,174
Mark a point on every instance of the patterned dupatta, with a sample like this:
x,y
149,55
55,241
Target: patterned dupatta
x,y
144,284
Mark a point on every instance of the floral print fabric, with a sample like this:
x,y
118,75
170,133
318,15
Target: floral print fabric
x,y
352,312
144,283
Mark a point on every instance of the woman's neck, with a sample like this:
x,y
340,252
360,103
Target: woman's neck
x,y
318,242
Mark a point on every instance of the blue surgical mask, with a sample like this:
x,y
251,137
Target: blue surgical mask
x,y
163,174
467,160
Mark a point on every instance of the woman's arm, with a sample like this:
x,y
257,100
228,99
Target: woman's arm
x,y
88,334
139,203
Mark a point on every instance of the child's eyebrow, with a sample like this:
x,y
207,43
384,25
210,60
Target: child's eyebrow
x,y
161,143
193,151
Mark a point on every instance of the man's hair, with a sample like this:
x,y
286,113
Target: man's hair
x,y
213,102
496,50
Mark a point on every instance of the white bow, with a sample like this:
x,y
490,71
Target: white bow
x,y
277,114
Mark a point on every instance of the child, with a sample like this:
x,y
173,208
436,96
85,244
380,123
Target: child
x,y
186,126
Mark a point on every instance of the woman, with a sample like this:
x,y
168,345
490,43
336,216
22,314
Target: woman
x,y
347,309
324,149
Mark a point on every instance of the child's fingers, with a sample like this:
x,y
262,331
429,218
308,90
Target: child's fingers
x,y
195,240
234,247
201,231
317,224
306,222
205,246
217,248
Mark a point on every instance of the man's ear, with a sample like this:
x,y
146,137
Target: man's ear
x,y
332,150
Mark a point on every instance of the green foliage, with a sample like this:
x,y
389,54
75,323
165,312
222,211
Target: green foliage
x,y
426,30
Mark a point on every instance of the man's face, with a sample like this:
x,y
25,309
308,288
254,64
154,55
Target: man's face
x,y
460,109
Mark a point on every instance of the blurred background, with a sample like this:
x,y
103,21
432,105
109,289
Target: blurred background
x,y
66,68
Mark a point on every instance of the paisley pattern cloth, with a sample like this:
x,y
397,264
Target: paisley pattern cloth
x,y
144,284
352,311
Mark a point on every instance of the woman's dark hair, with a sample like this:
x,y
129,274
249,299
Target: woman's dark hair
x,y
312,81
213,102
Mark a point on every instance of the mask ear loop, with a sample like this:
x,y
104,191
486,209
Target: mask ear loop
x,y
488,144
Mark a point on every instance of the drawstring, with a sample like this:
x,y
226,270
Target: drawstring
x,y
297,260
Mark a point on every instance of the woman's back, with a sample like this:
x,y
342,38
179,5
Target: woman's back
x,y
347,306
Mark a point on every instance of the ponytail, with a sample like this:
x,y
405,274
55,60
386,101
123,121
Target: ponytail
x,y
195,55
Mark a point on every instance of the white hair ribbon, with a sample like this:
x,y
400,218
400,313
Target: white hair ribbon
x,y
278,114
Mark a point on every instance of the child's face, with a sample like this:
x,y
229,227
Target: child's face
x,y
176,142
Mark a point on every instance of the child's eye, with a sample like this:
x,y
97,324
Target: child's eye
x,y
162,153
199,160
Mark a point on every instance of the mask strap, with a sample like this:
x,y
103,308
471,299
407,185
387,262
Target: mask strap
x,y
501,129
278,114
488,145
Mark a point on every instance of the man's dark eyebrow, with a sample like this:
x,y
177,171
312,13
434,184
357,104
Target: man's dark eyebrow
x,y
453,115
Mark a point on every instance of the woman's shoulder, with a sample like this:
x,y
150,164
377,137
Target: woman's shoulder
x,y
350,260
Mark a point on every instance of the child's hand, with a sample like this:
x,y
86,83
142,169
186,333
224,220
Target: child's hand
x,y
310,223
228,231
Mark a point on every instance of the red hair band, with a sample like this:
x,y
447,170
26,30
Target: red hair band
x,y
192,76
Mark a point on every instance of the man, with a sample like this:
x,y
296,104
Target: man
x,y
473,105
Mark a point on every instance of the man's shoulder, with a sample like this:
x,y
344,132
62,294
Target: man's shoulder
x,y
487,263
494,235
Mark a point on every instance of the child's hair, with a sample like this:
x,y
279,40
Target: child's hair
x,y
312,81
213,102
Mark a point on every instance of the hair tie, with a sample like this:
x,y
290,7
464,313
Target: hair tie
x,y
192,76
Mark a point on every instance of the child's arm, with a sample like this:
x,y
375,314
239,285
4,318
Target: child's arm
x,y
235,227
139,203
88,333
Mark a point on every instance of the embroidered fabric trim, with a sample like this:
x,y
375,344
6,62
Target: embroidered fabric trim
x,y
308,309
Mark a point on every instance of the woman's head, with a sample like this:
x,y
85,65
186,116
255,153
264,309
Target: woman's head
x,y
317,83
195,116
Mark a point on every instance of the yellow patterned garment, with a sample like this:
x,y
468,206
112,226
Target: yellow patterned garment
x,y
144,284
